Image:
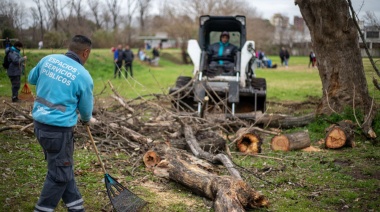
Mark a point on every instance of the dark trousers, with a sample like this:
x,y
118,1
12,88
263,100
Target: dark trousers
x,y
16,84
58,146
128,65
118,67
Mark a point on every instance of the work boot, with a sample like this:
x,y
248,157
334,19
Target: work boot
x,y
15,99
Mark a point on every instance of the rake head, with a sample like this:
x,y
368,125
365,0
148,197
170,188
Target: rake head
x,y
26,93
122,199
26,89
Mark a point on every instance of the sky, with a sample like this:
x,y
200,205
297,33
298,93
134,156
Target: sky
x,y
286,7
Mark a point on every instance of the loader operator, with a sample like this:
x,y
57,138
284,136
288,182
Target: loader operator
x,y
63,86
222,55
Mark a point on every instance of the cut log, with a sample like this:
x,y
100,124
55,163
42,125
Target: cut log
x,y
292,141
248,142
228,193
340,135
151,159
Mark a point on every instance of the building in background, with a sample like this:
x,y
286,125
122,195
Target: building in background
x,y
295,37
159,40
372,39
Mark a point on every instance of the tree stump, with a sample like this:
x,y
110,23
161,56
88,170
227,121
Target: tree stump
x,y
292,141
340,135
248,142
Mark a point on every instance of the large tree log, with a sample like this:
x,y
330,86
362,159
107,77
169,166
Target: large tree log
x,y
340,135
284,121
228,193
293,141
198,152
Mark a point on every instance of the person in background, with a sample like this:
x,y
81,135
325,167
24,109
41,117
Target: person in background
x,y
118,60
16,68
142,55
286,58
40,44
63,87
223,52
7,44
282,55
156,56
128,60
312,59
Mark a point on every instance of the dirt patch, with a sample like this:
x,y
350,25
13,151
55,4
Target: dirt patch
x,y
357,172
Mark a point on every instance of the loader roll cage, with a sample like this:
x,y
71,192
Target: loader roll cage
x,y
210,28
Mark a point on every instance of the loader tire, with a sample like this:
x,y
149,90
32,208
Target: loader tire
x,y
182,81
259,83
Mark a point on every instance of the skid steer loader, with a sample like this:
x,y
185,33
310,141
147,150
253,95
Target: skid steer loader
x,y
239,92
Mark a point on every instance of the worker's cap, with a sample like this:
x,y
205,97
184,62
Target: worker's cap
x,y
225,33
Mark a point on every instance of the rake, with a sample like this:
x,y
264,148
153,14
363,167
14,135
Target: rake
x,y
26,92
121,198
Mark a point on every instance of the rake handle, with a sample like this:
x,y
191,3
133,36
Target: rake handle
x,y
96,149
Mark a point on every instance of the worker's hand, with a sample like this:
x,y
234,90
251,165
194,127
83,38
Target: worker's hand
x,y
25,57
92,121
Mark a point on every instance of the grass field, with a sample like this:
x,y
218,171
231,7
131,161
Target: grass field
x,y
329,180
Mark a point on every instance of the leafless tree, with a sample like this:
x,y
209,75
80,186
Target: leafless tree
x,y
131,10
55,10
76,6
13,12
144,6
39,14
196,8
114,9
95,6
372,19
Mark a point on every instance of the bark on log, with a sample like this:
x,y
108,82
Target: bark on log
x,y
228,193
340,135
198,152
292,141
248,142
284,121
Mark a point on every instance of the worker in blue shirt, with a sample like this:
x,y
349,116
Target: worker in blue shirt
x,y
63,87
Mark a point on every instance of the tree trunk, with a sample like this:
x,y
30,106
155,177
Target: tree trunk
x,y
340,66
293,141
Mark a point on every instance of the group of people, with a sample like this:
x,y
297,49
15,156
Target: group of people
x,y
121,55
263,61
143,57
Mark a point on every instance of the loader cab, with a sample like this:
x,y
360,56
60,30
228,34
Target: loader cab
x,y
212,26
210,30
